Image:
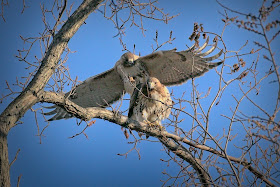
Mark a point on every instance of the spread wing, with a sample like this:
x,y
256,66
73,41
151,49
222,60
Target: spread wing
x,y
97,91
173,68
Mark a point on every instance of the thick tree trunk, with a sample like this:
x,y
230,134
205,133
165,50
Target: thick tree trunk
x,y
4,160
8,120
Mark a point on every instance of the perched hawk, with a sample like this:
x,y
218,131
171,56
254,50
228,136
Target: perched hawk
x,y
150,102
169,67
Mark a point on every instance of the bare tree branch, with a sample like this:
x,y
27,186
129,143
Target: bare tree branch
x,y
166,138
27,98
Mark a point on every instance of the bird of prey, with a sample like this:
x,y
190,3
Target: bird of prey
x,y
169,67
150,102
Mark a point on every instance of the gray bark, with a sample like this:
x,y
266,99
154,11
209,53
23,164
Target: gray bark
x,y
4,161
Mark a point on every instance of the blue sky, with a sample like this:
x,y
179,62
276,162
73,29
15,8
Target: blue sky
x,y
60,161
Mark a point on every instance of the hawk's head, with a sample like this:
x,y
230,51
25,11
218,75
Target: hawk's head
x,y
154,84
154,88
127,59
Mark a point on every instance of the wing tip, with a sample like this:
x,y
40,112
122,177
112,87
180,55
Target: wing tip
x,y
58,112
215,64
211,58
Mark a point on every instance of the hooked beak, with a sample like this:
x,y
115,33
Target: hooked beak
x,y
129,62
150,85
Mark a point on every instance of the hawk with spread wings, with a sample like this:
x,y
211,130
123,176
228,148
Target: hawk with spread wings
x,y
150,102
169,67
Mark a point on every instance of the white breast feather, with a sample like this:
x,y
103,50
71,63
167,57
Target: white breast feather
x,y
154,109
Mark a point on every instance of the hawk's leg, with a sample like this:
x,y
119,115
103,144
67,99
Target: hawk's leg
x,y
154,124
148,122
